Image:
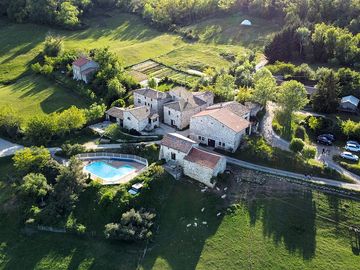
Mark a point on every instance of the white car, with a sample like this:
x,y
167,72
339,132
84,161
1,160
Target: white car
x,y
353,142
349,156
352,147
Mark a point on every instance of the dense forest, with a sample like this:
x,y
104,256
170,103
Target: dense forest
x,y
169,13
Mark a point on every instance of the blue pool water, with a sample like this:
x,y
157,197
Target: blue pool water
x,y
107,172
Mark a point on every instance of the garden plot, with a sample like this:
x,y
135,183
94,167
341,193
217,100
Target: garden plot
x,y
152,69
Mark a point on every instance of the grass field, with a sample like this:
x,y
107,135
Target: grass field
x,y
125,34
228,30
33,95
275,226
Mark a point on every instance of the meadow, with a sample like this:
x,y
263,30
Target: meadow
x,y
274,226
126,35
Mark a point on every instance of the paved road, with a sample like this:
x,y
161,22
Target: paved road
x,y
267,131
314,180
7,148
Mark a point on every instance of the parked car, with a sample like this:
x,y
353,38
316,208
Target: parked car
x,y
135,189
352,147
323,140
353,142
329,136
349,156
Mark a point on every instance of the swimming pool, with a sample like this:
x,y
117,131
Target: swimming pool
x,y
107,172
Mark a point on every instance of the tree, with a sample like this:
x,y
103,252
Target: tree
x,y
53,45
9,122
265,87
115,90
303,35
32,159
152,83
95,112
70,120
225,87
119,103
325,98
35,186
292,96
40,129
296,145
68,15
69,183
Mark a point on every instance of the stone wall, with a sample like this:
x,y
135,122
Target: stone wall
x,y
208,128
130,122
165,153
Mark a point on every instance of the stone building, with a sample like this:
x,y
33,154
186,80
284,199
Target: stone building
x,y
185,104
152,99
204,166
174,148
221,125
195,163
84,69
138,118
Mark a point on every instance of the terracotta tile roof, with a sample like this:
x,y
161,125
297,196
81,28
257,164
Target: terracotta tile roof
x,y
116,112
177,142
203,158
227,117
151,93
81,61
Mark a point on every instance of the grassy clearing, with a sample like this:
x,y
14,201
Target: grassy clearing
x,y
33,95
272,231
228,30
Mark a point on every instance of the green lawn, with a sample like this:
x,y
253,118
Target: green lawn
x,y
228,30
270,229
33,95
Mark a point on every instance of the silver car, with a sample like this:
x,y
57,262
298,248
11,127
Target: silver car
x,y
349,156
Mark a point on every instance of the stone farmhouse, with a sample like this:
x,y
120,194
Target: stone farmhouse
x,y
152,99
84,69
221,126
175,107
185,104
196,163
138,118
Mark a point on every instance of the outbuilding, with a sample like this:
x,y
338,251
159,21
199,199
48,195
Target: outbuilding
x,y
349,104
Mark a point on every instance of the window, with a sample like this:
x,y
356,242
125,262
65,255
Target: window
x,y
169,112
223,144
139,101
129,118
173,156
219,143
199,137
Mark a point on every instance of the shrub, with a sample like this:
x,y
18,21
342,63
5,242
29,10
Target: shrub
x,y
70,150
119,103
309,152
277,127
36,68
297,145
53,45
134,226
300,132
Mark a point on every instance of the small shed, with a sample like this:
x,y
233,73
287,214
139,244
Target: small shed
x,y
349,104
246,23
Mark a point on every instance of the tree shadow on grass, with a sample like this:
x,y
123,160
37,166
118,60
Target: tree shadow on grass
x,y
289,220
177,245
